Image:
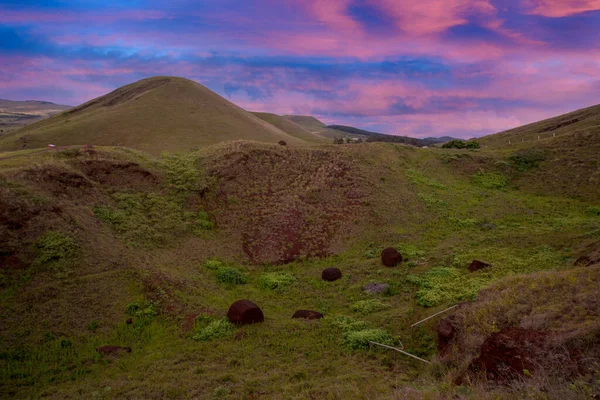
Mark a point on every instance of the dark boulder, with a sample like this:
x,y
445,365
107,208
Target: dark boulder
x,y
331,274
476,265
282,143
129,321
113,350
307,314
245,312
391,257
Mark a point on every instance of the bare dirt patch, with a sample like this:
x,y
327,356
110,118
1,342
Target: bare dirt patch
x,y
286,204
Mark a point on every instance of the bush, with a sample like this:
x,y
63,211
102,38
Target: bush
x,y
593,210
431,201
145,310
366,307
230,275
489,180
356,340
524,160
276,280
461,144
55,246
213,264
443,284
208,329
348,324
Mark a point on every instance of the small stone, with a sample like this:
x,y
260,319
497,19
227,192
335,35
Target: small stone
x,y
282,143
307,314
113,350
376,287
129,321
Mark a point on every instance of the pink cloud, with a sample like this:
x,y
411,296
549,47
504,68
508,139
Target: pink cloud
x,y
425,17
561,8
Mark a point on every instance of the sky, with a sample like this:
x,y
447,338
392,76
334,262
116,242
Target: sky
x,y
420,68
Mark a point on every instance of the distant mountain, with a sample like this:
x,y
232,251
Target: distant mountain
x,y
16,114
154,114
382,137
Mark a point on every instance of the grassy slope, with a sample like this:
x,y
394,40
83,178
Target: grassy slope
x,y
408,197
569,145
290,127
317,127
15,114
154,114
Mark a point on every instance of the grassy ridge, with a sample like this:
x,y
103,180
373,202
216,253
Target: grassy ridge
x,y
155,114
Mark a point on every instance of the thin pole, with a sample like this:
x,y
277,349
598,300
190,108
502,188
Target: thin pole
x,y
401,351
434,315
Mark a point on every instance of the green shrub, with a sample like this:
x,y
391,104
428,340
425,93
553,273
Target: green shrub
x,y
213,264
524,160
417,177
55,246
366,307
593,210
231,275
489,180
443,284
276,280
461,144
207,329
149,309
347,324
431,201
150,219
409,251
93,326
356,340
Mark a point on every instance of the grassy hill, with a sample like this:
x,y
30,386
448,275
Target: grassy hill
x,y
92,237
154,114
563,161
16,114
290,127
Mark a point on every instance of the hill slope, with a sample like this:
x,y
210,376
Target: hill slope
x,y
290,127
92,238
154,114
563,161
16,114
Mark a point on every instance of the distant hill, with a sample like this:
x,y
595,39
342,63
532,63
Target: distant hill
x,y
382,137
154,114
16,114
290,127
307,122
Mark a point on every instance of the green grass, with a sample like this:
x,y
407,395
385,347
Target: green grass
x,y
177,273
279,281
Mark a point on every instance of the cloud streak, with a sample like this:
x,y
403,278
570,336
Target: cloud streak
x,y
420,68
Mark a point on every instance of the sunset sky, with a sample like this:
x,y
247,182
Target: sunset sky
x,y
416,67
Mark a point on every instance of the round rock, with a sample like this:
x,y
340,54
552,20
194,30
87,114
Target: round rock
x,y
282,143
245,312
331,274
307,314
391,257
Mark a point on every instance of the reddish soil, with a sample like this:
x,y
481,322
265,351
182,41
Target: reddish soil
x,y
511,352
118,174
286,204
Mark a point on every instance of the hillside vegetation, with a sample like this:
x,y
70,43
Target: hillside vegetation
x,y
291,128
154,114
16,114
92,237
